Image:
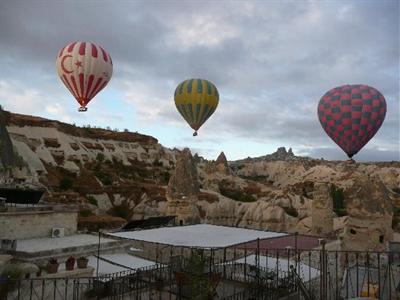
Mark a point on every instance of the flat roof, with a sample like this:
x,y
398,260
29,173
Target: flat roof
x,y
281,266
201,235
304,242
43,244
123,262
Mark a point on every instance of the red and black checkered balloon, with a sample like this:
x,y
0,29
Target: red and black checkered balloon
x,y
351,115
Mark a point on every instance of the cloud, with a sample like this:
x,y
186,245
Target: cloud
x,y
271,61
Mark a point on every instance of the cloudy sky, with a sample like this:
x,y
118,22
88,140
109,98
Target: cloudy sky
x,y
270,60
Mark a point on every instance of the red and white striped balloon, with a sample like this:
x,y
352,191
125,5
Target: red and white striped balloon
x,y
85,69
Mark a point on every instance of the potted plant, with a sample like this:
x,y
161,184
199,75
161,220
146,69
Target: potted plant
x,y
70,263
82,262
52,266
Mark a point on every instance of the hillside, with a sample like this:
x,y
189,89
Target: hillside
x,y
117,176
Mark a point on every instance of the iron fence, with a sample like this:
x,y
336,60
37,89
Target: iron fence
x,y
232,273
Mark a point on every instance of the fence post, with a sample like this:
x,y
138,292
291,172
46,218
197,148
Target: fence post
x,y
323,280
224,264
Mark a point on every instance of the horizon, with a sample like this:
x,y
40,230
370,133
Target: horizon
x,y
269,84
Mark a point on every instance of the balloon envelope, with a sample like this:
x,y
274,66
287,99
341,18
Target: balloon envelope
x,y
85,69
196,100
351,115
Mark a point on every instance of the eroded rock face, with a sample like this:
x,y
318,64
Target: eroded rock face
x,y
370,214
13,169
322,210
131,171
183,189
184,182
6,148
222,164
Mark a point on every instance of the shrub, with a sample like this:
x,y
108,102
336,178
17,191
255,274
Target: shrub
x,y
237,195
92,200
100,157
157,163
337,196
85,213
166,176
120,211
65,183
103,177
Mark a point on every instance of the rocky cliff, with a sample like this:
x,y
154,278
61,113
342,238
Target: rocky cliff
x,y
132,176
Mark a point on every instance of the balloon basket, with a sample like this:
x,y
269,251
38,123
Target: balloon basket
x,y
195,133
82,109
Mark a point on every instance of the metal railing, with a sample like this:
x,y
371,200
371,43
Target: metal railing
x,y
234,273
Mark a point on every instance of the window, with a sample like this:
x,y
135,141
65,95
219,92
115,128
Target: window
x,y
381,239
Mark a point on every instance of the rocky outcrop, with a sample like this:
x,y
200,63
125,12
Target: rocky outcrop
x,y
129,175
370,214
7,159
183,189
221,164
281,154
322,210
184,182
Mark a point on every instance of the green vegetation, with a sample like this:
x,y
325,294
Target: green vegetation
x,y
13,274
337,196
121,211
100,157
259,178
85,213
157,163
237,195
165,176
92,200
198,283
103,177
65,183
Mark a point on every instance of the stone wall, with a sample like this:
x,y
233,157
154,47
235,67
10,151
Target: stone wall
x,y
34,224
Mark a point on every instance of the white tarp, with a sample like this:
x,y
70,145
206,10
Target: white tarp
x,y
202,235
120,260
281,266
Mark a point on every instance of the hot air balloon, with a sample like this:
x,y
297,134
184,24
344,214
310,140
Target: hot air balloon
x,y
351,115
85,69
196,100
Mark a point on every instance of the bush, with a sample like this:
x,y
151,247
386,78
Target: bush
x,y
337,196
92,200
166,176
237,195
65,183
85,213
120,211
100,157
103,177
157,163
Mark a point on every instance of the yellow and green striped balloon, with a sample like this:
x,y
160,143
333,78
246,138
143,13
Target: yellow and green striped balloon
x,y
196,100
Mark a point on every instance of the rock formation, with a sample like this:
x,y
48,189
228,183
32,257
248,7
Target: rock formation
x,y
126,174
222,164
7,159
183,189
370,214
13,169
322,210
